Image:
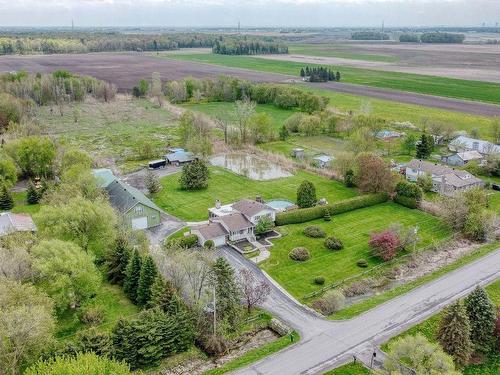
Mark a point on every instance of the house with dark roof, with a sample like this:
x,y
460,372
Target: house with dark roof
x,y
137,210
13,223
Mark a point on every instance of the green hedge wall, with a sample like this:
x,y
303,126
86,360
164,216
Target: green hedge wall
x,y
307,214
406,201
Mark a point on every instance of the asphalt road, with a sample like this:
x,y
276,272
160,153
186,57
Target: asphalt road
x,y
328,344
126,69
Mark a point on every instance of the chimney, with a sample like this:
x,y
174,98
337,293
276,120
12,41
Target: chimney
x,y
217,203
258,198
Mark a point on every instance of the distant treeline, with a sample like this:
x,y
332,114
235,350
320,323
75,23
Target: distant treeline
x,y
90,42
244,46
319,74
230,89
434,37
369,35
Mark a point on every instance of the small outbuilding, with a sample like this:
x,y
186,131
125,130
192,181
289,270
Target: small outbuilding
x,y
13,223
181,157
462,158
323,161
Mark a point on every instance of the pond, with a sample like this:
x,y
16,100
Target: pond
x,y
250,166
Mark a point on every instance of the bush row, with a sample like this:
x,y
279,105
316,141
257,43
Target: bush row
x,y
307,214
406,201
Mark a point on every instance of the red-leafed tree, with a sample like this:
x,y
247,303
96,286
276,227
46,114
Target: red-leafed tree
x,y
385,244
255,292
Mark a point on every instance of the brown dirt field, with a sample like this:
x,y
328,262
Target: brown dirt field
x,y
126,69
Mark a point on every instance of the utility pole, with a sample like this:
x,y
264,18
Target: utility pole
x,y
238,27
215,315
72,25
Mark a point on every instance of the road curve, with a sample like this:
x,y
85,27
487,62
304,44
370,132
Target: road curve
x,y
126,69
328,344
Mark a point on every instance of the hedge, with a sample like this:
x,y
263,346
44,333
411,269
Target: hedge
x,y
303,215
406,201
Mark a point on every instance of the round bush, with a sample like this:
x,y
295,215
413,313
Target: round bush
x,y
333,243
332,301
319,280
300,254
209,244
314,231
362,263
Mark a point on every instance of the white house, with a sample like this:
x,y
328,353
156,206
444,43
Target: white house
x,y
445,180
463,143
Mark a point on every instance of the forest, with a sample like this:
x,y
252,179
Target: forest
x,y
239,46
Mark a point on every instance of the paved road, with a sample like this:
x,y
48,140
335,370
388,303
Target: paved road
x,y
126,69
327,344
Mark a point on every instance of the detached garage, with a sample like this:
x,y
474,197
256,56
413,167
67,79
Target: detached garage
x,y
211,231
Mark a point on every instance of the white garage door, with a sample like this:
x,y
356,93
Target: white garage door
x,y
140,223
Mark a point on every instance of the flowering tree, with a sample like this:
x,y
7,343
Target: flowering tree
x,y
254,292
385,244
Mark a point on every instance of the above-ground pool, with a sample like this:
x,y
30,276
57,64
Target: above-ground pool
x,y
280,204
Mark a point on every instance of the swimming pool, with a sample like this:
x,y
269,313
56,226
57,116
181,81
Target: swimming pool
x,y
280,204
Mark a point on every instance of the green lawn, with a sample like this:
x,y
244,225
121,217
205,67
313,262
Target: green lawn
x,y
225,110
21,206
354,229
424,84
429,328
329,50
229,187
350,369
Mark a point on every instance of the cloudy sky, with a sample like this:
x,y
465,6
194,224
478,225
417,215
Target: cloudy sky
x,y
178,13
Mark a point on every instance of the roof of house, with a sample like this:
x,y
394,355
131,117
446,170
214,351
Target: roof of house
x,y
211,230
459,180
482,146
123,196
104,176
428,167
10,222
469,155
324,158
234,222
249,207
180,156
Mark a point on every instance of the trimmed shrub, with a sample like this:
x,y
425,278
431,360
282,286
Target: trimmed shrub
x,y
209,244
327,216
406,201
189,241
362,263
307,214
319,280
300,254
332,301
333,243
314,231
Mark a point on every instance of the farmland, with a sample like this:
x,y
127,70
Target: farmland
x,y
229,187
353,229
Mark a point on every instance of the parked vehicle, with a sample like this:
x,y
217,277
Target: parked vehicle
x,y
155,164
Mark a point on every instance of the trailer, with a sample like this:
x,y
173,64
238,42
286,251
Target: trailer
x,y
155,164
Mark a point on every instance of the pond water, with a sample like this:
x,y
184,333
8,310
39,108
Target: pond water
x,y
250,166
279,204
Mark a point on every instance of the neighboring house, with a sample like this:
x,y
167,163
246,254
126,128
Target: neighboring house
x,y
323,161
445,180
138,211
12,223
463,143
387,134
462,158
180,157
233,222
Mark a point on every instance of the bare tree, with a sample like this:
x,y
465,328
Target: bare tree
x,y
254,292
224,126
245,109
156,87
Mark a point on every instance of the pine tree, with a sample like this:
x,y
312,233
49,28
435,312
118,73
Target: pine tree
x,y
302,73
337,76
284,133
146,280
6,201
32,194
162,293
308,71
306,194
424,148
481,312
454,333
132,275
349,178
117,260
124,347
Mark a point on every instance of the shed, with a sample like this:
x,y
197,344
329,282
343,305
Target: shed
x,y
181,157
12,223
323,161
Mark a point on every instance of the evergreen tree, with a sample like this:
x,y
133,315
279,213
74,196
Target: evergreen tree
x,y
284,133
349,178
227,291
162,293
337,76
424,147
152,182
454,333
6,201
117,260
132,274
306,195
302,73
482,317
32,194
124,347
194,175
308,72
146,280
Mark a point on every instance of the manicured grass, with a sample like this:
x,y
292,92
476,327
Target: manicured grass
x,y
429,329
229,187
359,308
110,299
255,355
353,229
329,50
424,84
350,369
226,111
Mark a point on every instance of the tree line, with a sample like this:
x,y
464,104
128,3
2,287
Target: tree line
x,y
244,46
432,37
319,74
369,35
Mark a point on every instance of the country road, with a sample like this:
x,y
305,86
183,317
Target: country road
x,y
328,344
126,69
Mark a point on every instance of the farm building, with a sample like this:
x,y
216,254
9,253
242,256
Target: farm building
x,y
463,143
137,210
13,223
180,157
462,158
323,161
445,180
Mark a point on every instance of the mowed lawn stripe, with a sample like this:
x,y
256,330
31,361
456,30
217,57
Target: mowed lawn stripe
x,y
230,187
354,229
